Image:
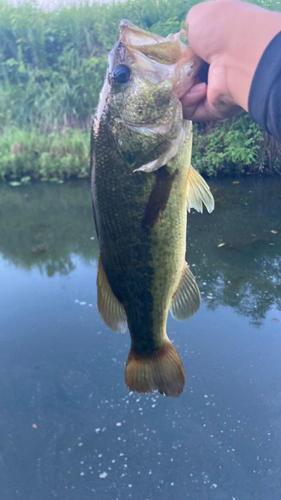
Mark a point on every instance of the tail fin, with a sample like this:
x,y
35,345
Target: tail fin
x,y
162,371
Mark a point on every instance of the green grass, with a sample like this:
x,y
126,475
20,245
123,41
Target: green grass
x,y
56,156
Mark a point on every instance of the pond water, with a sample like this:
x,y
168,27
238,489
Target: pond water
x,y
69,428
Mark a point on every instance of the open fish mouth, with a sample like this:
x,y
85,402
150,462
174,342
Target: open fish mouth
x,y
174,60
157,58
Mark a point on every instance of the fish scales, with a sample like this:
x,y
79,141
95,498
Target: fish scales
x,y
140,183
143,272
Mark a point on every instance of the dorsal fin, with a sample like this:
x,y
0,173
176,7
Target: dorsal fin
x,y
186,300
110,309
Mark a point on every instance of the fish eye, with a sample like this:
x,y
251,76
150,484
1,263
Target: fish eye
x,y
120,74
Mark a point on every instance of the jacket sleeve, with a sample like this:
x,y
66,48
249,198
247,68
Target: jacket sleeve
x,y
265,94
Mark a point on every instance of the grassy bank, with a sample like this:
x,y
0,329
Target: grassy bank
x,y
57,156
52,66
232,147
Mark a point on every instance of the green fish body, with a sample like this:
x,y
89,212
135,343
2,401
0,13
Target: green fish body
x,y
142,186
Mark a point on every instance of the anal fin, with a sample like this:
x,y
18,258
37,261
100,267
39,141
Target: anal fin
x,y
110,309
198,192
186,300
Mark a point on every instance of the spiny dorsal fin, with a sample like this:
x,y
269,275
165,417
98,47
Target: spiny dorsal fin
x,y
198,192
110,309
186,300
162,371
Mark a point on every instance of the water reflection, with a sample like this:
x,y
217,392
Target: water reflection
x,y
237,250
43,225
69,428
235,253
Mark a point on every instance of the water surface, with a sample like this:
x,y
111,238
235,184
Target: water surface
x,y
69,428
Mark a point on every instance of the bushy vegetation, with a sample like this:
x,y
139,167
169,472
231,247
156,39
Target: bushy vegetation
x,y
52,66
234,145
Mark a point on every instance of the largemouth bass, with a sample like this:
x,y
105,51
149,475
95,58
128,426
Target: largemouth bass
x,y
142,186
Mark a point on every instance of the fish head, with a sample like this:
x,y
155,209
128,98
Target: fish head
x,y
147,74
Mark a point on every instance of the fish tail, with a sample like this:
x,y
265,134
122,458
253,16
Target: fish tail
x,y
162,371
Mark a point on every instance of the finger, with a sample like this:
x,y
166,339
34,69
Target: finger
x,y
203,111
194,95
198,112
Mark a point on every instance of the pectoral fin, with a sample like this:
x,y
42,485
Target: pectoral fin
x,y
198,192
186,300
110,309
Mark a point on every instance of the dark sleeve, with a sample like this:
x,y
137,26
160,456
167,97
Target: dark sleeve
x,y
265,93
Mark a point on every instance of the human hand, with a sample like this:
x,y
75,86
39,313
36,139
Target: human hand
x,y
231,37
